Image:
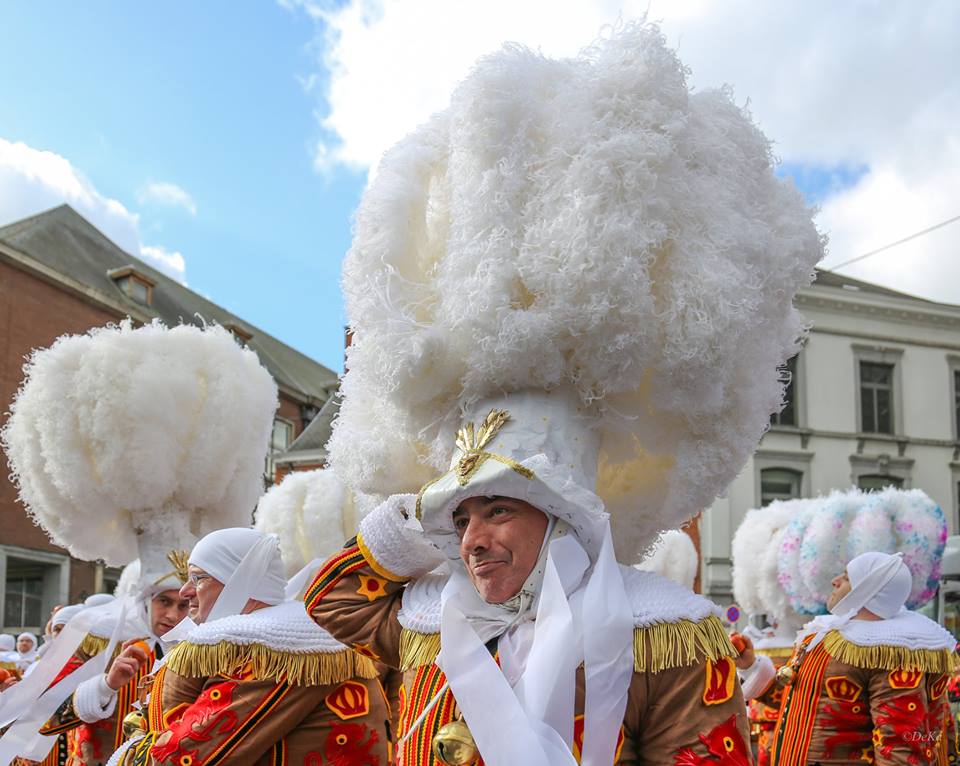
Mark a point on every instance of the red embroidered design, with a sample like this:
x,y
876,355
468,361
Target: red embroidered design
x,y
372,587
842,688
849,725
349,700
347,744
724,745
366,651
206,718
721,681
905,679
578,740
938,687
905,720
87,744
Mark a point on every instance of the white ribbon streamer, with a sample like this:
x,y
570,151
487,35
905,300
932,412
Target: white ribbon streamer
x,y
23,738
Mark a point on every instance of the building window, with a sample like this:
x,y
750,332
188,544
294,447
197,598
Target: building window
x,y
788,415
281,437
876,398
779,484
134,284
23,605
874,482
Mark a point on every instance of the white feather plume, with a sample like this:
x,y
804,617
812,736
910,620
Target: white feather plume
x,y
673,556
153,432
755,552
311,512
586,222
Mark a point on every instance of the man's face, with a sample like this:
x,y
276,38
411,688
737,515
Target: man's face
x,y
841,587
24,645
201,591
167,608
55,630
500,541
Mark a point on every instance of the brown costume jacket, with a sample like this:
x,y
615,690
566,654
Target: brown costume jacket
x,y
684,705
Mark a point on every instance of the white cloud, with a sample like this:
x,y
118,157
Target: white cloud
x,y
853,84
170,262
167,194
33,180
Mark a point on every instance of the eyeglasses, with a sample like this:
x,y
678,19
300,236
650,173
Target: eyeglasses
x,y
196,579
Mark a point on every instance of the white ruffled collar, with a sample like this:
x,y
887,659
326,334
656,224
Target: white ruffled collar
x,y
654,600
286,627
906,629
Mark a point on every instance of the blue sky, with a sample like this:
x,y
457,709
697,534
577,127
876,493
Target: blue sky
x,y
227,102
207,96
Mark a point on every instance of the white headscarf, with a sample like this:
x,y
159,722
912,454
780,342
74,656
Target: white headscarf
x,y
220,553
63,615
249,565
98,599
879,582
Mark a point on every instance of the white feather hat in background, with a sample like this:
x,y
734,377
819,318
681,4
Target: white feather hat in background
x,y
588,223
755,552
817,545
128,442
673,556
312,513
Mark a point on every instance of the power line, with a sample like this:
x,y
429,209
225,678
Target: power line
x,y
894,244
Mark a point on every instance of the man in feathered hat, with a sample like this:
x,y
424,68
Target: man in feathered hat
x,y
98,707
179,443
867,683
253,680
570,292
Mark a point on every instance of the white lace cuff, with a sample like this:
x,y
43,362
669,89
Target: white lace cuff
x,y
94,700
756,679
392,541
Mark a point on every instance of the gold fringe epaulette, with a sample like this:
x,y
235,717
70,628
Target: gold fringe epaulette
x,y
678,644
264,663
418,649
888,657
658,647
776,652
93,645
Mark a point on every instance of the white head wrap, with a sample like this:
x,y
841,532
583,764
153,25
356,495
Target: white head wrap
x,y
220,554
98,599
33,649
880,582
63,615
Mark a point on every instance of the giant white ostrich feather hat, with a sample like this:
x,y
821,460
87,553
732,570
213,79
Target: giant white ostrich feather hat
x,y
587,226
135,442
311,513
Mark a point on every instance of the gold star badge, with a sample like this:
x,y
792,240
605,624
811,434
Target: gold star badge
x,y
372,587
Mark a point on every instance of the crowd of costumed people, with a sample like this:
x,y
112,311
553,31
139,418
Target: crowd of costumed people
x,y
571,295
791,561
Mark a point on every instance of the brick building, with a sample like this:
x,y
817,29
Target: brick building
x,y
59,274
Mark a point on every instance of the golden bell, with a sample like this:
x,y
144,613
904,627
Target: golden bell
x,y
132,723
454,745
785,675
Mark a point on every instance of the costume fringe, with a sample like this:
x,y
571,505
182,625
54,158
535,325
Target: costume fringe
x,y
418,649
92,645
315,669
889,657
775,652
677,644
659,647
